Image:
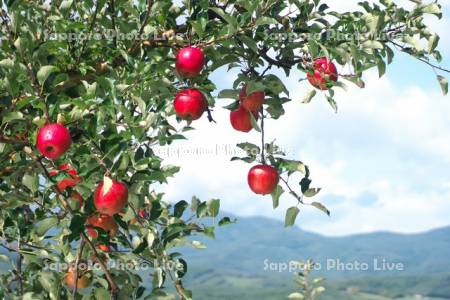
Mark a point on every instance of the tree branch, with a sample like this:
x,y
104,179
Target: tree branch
x,y
66,206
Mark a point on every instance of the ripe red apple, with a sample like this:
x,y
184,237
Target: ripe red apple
x,y
263,179
324,73
104,222
241,119
53,140
84,276
252,102
190,104
103,247
190,62
110,197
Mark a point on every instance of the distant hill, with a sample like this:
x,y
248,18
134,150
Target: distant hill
x,y
244,257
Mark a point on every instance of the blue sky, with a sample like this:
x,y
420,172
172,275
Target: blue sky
x,y
382,161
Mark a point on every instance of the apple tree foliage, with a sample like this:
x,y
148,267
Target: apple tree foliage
x,y
105,69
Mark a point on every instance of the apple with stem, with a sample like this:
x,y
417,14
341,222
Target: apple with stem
x,y
190,62
263,179
252,102
110,196
324,74
190,104
53,140
241,119
105,222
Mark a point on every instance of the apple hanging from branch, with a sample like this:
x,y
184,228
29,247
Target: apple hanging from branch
x,y
53,140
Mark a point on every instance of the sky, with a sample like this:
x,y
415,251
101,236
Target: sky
x,y
382,161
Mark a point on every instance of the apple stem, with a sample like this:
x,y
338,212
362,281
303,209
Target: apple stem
x,y
263,155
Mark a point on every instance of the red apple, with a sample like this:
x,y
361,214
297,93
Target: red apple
x,y
324,73
53,140
110,197
252,102
84,275
263,179
103,247
190,62
241,119
104,222
190,104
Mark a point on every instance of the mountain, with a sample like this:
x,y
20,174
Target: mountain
x,y
246,259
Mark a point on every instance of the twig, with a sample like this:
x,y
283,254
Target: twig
x,y
91,27
113,21
180,289
293,193
263,146
77,262
210,117
66,206
141,30
402,48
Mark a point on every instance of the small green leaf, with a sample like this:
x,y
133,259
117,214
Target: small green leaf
x,y
309,95
213,206
320,206
198,245
249,42
444,84
31,181
291,215
44,72
311,192
276,196
45,225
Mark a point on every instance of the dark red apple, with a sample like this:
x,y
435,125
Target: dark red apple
x,y
190,104
53,140
104,222
110,197
241,119
324,74
252,102
190,62
263,179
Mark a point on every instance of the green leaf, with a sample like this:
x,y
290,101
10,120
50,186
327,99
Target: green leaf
x,y
44,72
213,207
265,21
179,208
13,115
433,41
249,42
311,192
332,103
225,221
45,225
291,215
276,194
31,181
320,206
65,5
309,96
101,293
444,84
254,122
198,245
228,94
